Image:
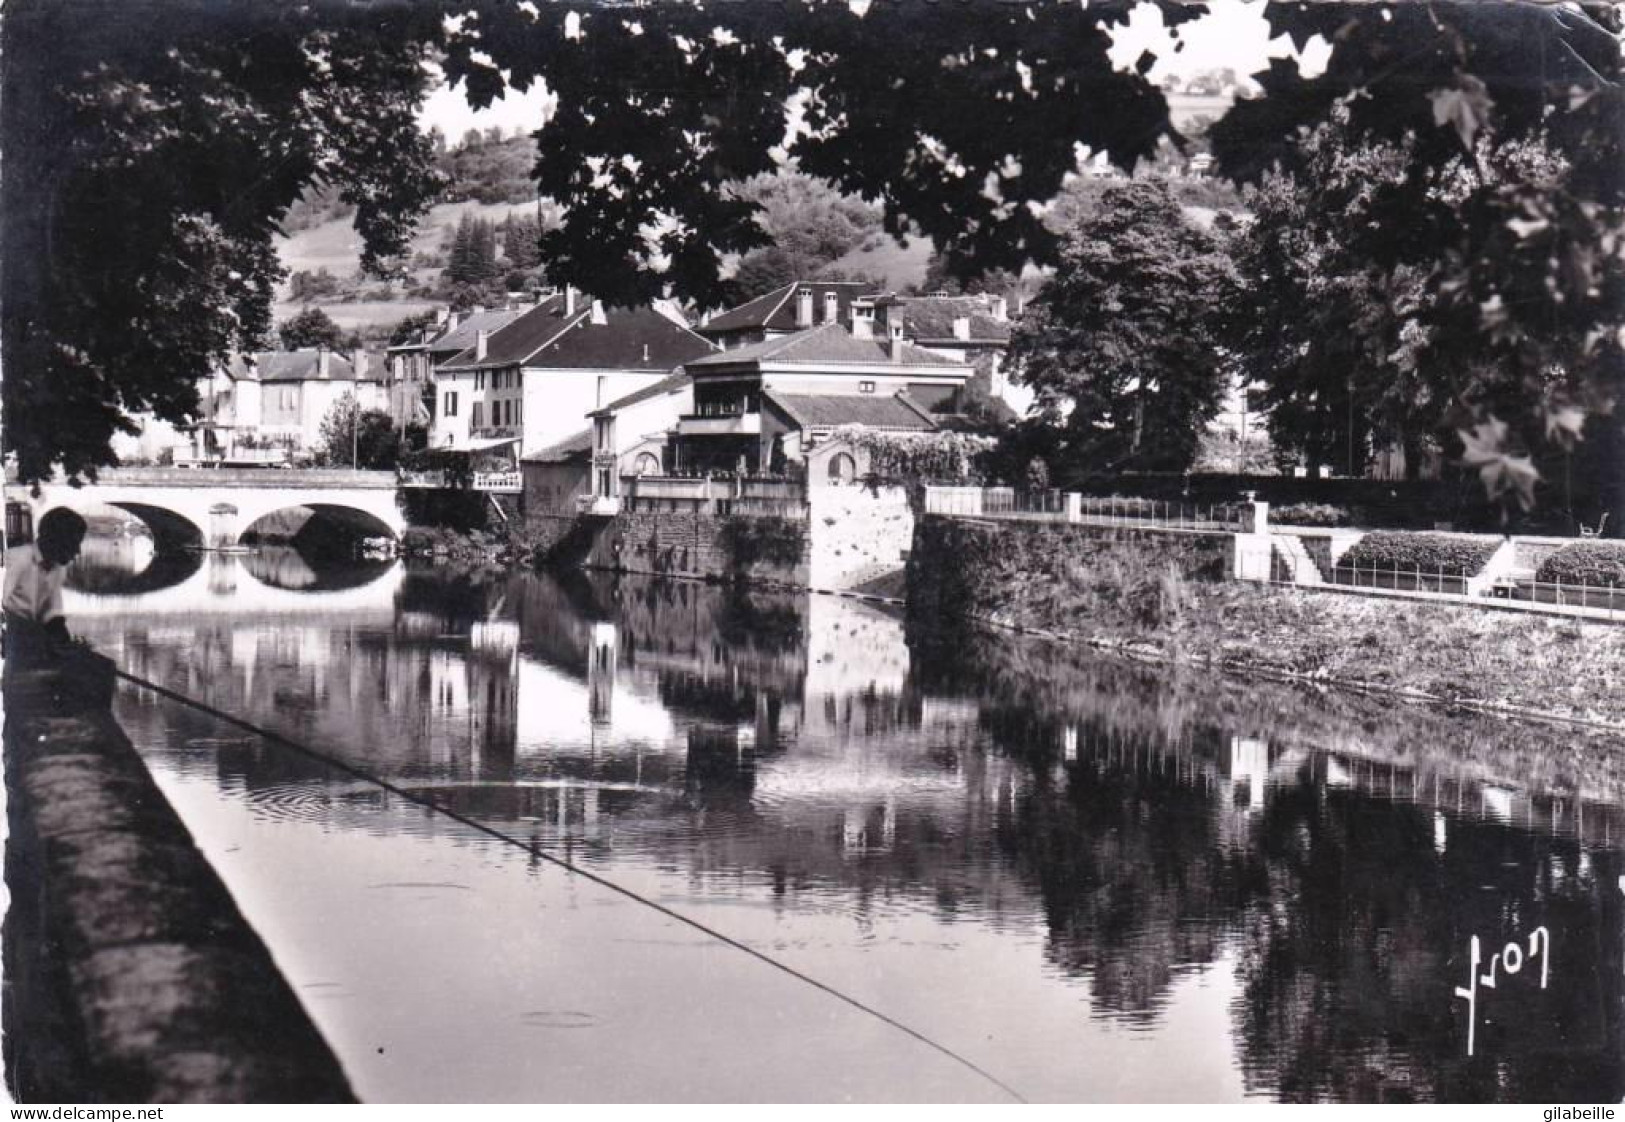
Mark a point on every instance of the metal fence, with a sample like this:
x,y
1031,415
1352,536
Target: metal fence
x,y
1453,584
1157,514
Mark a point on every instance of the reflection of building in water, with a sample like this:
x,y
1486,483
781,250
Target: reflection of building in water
x,y
601,673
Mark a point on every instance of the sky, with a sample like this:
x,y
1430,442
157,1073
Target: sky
x,y
1233,34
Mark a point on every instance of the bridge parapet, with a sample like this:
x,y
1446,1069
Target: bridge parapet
x,y
280,478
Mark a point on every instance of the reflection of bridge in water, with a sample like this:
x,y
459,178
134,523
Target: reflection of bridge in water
x,y
213,509
242,589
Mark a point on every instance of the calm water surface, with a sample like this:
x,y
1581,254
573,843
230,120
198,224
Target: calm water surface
x,y
1094,883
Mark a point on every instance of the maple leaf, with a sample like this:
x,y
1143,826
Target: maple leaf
x,y
1483,443
1466,108
1565,422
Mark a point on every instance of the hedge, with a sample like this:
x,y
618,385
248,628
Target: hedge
x,y
1311,514
1463,555
1585,562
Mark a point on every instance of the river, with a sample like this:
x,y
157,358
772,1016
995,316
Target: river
x,y
1073,879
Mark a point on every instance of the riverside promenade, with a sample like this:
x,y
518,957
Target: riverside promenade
x,y
130,974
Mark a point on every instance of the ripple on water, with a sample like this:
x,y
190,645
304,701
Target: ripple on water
x,y
300,802
559,1019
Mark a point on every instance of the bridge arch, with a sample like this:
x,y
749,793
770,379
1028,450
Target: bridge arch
x,y
316,523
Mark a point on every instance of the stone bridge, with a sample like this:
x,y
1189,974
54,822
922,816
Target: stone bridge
x,y
213,508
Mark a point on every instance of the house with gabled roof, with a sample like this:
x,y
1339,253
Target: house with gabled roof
x,y
531,382
764,406
282,397
412,362
974,329
790,308
626,437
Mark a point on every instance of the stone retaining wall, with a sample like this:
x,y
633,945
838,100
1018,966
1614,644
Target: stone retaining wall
x,y
130,974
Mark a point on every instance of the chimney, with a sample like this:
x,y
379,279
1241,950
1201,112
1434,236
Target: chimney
x,y
477,309
441,315
569,300
1001,308
358,362
599,319
482,340
832,307
962,327
894,328
321,362
804,308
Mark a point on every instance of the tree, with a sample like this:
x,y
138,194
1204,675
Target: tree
x,y
413,328
150,153
311,327
354,437
521,241
1122,345
1483,225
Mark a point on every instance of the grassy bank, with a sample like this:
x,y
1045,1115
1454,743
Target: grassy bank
x,y
1161,597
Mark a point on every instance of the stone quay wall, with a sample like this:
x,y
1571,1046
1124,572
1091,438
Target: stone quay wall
x,y
130,974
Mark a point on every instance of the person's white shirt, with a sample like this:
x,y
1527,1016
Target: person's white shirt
x,y
33,587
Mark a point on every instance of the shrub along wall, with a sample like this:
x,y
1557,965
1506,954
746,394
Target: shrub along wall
x,y
1459,555
1586,563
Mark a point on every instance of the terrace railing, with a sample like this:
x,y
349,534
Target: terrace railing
x,y
1062,506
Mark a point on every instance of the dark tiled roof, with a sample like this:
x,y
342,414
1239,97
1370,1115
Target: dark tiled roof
x,y
666,385
628,339
463,335
291,366
932,317
520,337
831,410
777,309
570,448
820,346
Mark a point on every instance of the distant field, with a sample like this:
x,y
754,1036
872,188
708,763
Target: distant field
x,y
336,247
900,265
363,313
1185,108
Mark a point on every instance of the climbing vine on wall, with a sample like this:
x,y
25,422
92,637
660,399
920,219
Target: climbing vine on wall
x,y
920,457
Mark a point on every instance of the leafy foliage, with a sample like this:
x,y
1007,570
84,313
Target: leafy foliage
x,y
926,457
811,226
1122,345
351,436
1461,165
146,171
1311,514
312,327
1586,562
1462,555
766,540
980,114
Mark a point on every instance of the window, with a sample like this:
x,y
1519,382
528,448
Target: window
x,y
866,387
646,464
479,379
842,468
476,415
451,404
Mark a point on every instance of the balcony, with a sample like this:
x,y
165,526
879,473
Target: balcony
x,y
598,506
723,424
503,482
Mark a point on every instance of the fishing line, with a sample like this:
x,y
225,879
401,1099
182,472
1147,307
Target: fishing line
x,y
542,854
